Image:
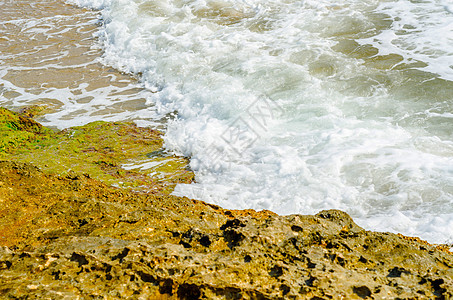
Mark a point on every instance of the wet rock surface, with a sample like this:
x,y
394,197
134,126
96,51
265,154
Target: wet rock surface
x,y
69,236
117,153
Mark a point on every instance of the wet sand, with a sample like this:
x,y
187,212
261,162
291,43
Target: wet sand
x,y
49,56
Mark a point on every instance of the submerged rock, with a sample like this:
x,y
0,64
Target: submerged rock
x,y
69,235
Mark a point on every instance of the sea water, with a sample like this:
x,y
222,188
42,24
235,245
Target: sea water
x,y
49,57
298,106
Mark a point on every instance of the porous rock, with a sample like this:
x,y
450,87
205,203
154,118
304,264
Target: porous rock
x,y
71,236
76,237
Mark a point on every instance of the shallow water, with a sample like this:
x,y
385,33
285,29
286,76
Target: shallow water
x,y
292,106
49,56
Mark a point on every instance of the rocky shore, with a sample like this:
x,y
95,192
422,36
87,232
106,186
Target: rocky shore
x,y
86,213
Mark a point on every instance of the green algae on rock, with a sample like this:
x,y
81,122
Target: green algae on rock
x,y
78,238
16,130
100,149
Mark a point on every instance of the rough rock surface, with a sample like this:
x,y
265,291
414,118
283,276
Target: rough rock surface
x,y
71,236
118,153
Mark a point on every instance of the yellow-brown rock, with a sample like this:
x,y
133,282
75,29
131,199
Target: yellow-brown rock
x,y
70,236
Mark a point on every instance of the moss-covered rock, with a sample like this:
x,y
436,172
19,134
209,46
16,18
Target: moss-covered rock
x,y
118,153
16,131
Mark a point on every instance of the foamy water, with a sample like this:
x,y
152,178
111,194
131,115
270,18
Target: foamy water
x,y
49,56
297,106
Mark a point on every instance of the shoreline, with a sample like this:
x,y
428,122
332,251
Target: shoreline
x,y
75,236
82,105
50,60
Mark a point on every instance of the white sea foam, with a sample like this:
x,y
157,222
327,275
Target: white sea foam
x,y
420,31
297,106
